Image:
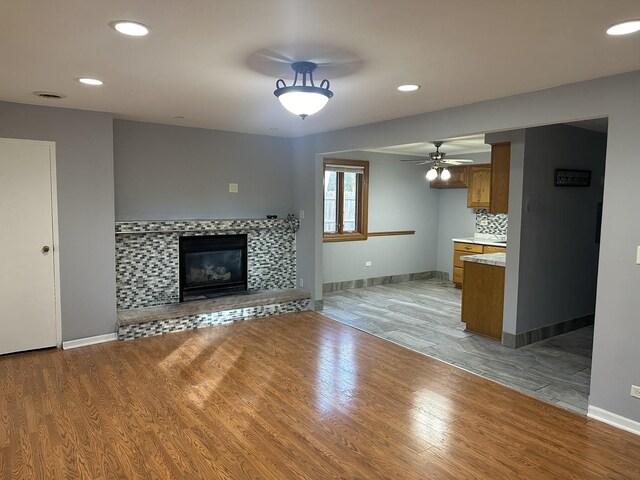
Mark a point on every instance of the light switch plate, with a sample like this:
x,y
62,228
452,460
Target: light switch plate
x,y
367,263
233,188
638,256
301,213
635,391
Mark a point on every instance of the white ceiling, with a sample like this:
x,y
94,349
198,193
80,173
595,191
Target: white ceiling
x,y
459,147
216,62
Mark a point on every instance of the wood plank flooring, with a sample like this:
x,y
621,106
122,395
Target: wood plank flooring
x,y
288,397
424,315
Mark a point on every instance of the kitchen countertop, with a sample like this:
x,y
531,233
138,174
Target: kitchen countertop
x,y
491,240
496,259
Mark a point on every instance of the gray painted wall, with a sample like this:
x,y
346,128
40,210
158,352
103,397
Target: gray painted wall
x,y
84,160
164,172
85,170
454,220
614,366
558,253
399,199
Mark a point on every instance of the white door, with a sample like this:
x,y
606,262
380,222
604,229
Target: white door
x,y
27,273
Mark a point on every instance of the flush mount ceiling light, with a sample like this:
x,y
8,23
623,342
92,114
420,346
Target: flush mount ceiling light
x,y
408,88
303,99
91,81
624,28
127,27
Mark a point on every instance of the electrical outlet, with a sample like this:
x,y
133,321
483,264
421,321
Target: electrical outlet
x,y
484,222
635,391
233,188
301,282
301,214
367,263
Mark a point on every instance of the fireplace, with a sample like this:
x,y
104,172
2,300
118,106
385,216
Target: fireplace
x,y
212,265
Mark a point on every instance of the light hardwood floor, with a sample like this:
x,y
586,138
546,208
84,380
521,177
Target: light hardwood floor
x,y
288,397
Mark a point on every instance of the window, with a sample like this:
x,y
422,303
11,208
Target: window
x,y
346,185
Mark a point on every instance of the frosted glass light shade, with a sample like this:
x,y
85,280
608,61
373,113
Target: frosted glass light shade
x,y
303,103
445,175
432,174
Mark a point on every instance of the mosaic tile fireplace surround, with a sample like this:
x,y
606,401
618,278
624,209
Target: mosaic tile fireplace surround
x,y
147,263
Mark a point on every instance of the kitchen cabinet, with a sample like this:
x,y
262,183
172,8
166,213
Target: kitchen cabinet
x,y
479,186
458,179
483,299
488,185
493,249
460,249
500,167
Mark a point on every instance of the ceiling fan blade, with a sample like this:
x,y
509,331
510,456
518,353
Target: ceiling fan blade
x,y
417,161
456,161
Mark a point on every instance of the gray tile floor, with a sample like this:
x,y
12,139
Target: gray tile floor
x,y
424,315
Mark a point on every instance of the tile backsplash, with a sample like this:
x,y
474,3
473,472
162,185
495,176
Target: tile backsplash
x,y
492,223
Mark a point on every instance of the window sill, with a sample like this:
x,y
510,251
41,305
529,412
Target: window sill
x,y
344,237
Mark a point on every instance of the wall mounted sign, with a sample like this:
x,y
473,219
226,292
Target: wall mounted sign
x,y
571,178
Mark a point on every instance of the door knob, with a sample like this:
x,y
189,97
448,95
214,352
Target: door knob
x,y
45,249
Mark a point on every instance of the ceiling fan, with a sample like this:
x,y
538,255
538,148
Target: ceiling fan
x,y
438,158
440,163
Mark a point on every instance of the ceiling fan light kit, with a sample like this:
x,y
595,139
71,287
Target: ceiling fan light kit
x,y
439,164
432,174
305,98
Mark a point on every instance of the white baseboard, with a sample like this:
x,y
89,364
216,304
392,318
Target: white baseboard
x,y
83,342
614,420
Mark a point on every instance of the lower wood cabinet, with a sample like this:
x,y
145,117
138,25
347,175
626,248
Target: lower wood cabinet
x,y
460,249
492,249
483,299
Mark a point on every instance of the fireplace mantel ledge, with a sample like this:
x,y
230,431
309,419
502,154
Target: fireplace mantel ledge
x,y
141,227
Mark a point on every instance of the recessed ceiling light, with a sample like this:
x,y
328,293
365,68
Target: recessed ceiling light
x,y
624,28
90,81
127,27
408,88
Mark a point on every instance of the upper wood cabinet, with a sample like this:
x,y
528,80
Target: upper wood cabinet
x,y
488,184
479,186
500,164
458,179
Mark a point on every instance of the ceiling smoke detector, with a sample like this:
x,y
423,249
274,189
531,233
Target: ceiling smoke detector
x,y
49,95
